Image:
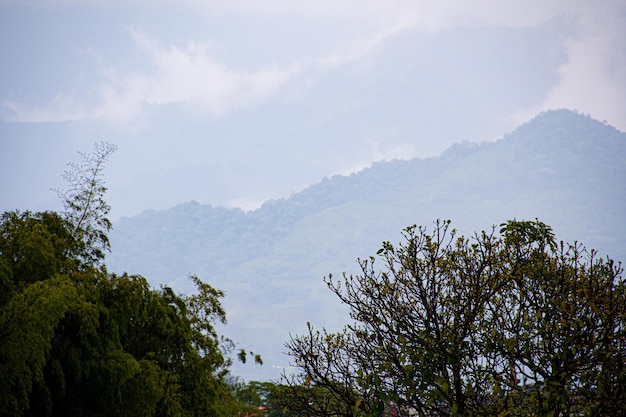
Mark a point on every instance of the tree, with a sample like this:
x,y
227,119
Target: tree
x,y
78,341
263,399
331,382
86,210
563,326
510,324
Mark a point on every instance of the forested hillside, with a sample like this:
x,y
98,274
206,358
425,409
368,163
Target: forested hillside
x,y
562,167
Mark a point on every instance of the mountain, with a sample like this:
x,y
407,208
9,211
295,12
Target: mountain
x,y
561,167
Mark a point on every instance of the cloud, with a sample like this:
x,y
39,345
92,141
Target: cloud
x,y
180,74
359,47
191,73
594,78
60,109
425,14
188,74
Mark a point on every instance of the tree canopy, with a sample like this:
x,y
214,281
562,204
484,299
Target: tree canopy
x,y
511,323
76,340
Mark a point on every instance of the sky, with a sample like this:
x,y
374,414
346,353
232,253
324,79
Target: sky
x,y
233,103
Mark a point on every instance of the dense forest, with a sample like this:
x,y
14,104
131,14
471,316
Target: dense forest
x,y
561,167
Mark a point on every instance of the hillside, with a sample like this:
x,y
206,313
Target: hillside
x,y
561,167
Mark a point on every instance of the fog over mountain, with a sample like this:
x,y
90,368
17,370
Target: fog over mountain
x,y
232,104
564,168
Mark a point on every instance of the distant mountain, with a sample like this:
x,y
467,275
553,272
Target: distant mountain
x,y
562,167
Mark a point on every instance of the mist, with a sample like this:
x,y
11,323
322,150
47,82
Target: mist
x,y
232,105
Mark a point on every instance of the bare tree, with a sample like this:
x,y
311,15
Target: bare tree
x,y
84,206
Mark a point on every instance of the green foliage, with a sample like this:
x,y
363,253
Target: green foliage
x,y
78,341
492,325
34,247
27,327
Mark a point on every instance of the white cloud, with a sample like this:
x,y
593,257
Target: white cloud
x,y
61,108
594,78
187,74
191,74
360,47
425,14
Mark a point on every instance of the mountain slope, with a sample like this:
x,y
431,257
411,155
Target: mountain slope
x,y
561,167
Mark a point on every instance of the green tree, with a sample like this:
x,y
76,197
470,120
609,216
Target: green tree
x,y
511,324
78,341
563,325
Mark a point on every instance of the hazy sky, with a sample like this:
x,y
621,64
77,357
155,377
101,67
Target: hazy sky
x,y
236,102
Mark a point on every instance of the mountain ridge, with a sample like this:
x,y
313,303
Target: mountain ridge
x,y
561,167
